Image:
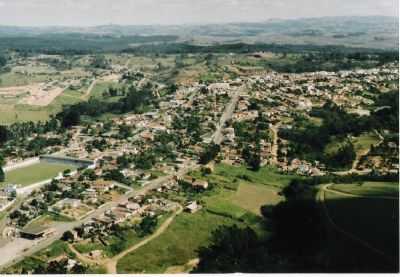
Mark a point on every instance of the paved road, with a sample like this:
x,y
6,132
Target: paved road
x,y
227,115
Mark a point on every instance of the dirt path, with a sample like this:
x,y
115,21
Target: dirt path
x,y
89,90
82,257
186,268
320,197
111,264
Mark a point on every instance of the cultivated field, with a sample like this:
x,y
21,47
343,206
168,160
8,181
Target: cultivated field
x,y
34,173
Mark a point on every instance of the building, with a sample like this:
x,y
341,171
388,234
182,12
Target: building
x,y
36,232
192,207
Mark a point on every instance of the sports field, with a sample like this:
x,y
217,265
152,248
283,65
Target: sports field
x,y
34,173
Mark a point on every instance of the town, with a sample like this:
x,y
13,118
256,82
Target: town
x,y
134,163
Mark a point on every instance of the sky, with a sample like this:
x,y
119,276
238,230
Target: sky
x,y
171,12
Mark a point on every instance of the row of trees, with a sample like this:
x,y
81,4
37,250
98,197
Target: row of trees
x,y
134,100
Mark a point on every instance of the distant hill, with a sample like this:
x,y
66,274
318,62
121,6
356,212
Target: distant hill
x,y
366,31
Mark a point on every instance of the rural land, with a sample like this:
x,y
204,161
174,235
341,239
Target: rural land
x,y
246,147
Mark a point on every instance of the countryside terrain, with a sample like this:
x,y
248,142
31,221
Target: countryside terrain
x,y
265,147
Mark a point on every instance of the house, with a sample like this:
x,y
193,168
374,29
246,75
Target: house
x,y
192,207
130,206
68,203
102,185
200,184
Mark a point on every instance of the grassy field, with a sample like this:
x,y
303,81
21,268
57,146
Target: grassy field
x,y
268,176
175,246
34,173
370,188
363,143
22,113
232,200
252,197
11,79
375,221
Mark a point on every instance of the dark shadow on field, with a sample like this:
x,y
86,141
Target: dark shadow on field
x,y
374,221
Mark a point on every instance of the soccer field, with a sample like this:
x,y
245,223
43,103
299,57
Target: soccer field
x,y
34,173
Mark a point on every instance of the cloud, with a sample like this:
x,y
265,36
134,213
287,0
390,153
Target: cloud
x,y
95,12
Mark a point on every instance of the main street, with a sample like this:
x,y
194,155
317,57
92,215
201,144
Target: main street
x,y
227,114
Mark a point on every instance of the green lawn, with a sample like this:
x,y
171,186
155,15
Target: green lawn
x,y
375,221
176,246
370,188
34,173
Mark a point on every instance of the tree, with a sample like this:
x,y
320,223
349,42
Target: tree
x,y
68,236
147,226
233,249
209,153
4,134
2,175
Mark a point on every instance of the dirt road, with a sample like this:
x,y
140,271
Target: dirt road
x,y
111,265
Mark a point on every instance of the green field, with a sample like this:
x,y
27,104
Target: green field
x,y
176,246
34,173
363,143
380,189
268,176
373,220
252,197
12,79
232,200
